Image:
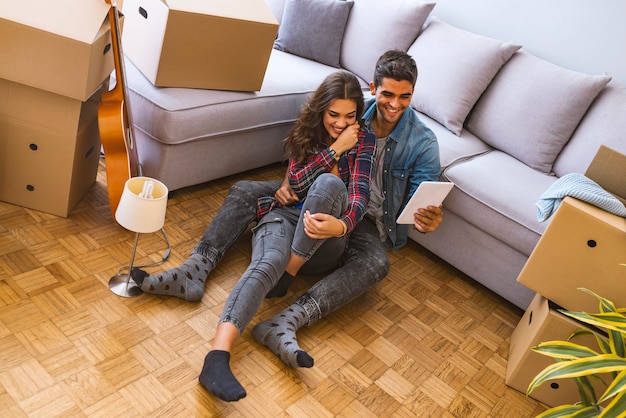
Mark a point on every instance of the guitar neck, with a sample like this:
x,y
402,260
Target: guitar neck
x,y
120,89
118,56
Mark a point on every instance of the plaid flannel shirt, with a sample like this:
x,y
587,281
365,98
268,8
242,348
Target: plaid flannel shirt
x,y
355,169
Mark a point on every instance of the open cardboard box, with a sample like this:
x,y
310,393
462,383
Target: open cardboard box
x,y
583,246
542,323
222,45
50,147
62,46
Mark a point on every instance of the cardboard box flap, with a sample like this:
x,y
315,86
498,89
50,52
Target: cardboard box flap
x,y
226,8
606,169
75,19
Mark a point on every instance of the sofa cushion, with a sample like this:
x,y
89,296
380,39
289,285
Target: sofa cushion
x,y
604,123
497,193
300,31
376,26
455,67
454,149
532,107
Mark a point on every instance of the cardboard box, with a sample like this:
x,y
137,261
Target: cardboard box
x,y
62,46
50,147
542,323
219,44
607,169
583,246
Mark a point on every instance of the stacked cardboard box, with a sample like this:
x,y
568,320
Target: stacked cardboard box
x,y
54,64
222,45
542,322
583,246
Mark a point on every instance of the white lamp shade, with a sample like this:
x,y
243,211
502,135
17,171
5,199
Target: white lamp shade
x,y
139,213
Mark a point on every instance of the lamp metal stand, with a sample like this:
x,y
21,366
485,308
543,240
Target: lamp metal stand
x,y
121,284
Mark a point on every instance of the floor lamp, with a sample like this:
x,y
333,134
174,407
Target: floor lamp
x,y
141,210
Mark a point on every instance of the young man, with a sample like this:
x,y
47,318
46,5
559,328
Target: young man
x,y
407,154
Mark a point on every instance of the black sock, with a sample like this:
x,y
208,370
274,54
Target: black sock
x,y
138,275
218,379
281,287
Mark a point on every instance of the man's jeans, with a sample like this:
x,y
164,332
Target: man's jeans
x,y
232,219
275,237
366,264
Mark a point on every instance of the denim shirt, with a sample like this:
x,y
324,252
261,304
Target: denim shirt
x,y
411,156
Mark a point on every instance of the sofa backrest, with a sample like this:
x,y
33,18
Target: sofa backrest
x,y
312,29
529,108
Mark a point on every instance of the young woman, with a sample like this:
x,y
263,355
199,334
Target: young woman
x,y
330,165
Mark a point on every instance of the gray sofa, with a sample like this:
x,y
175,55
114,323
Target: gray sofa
x,y
508,123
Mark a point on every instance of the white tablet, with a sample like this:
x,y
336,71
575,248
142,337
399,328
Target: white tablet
x,y
428,193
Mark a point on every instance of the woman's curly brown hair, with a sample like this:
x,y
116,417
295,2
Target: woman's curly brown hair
x,y
308,134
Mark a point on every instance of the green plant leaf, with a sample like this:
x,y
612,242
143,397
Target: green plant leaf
x,y
616,387
586,390
616,409
604,363
564,350
589,412
603,342
579,332
605,304
609,320
561,411
616,340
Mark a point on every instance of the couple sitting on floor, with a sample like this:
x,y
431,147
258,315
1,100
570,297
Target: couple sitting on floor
x,y
353,165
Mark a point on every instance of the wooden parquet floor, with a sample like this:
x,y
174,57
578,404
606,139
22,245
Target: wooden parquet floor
x,y
426,342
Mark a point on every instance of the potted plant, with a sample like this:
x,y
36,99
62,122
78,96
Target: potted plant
x,y
583,363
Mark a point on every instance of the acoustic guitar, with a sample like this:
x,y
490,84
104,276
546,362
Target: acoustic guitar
x,y
115,123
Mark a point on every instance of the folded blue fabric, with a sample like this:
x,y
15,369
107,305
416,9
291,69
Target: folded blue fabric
x,y
580,187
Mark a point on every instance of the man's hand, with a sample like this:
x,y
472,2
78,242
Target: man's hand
x,y
429,219
321,225
285,194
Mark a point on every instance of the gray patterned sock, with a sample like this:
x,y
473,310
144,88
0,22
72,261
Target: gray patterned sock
x,y
185,281
279,335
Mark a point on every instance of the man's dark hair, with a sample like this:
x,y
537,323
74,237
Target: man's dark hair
x,y
395,64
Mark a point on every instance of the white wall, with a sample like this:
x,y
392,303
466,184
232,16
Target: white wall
x,y
583,35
